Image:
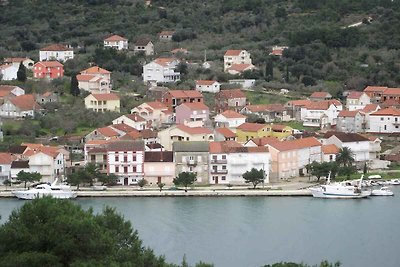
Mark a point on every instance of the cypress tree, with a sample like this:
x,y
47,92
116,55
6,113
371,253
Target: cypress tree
x,y
269,70
21,73
74,86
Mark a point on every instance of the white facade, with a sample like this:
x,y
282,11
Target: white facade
x,y
116,44
9,110
244,83
223,121
207,86
137,124
5,172
360,149
358,103
232,57
389,123
228,168
320,117
47,166
161,73
56,55
128,166
154,115
8,72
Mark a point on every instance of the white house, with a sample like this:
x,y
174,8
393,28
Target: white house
x,y
233,57
230,119
161,70
350,121
244,83
95,80
229,161
19,107
321,114
56,52
385,121
8,72
5,166
329,153
116,42
48,163
132,120
207,86
16,61
357,100
155,113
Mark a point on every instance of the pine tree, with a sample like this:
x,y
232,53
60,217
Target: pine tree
x,y
21,73
74,86
269,70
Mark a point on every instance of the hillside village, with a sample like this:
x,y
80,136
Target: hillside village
x,y
211,128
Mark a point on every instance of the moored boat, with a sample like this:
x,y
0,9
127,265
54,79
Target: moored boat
x,y
383,191
42,190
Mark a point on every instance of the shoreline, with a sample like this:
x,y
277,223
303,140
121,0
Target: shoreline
x,y
182,193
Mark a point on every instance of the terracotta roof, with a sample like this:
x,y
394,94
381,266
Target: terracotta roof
x,y
226,132
263,141
132,135
386,112
348,113
55,47
392,91
32,145
142,42
105,97
185,94
251,127
15,59
231,114
354,95
234,147
115,38
154,146
320,95
375,88
295,144
278,127
123,127
108,131
25,102
232,93
391,103
167,33
233,52
97,142
300,102
195,106
6,158
323,105
5,90
205,82
370,107
47,94
346,137
125,145
266,107
50,64
97,150
330,149
241,67
48,150
147,133
179,50
156,105
164,61
135,117
6,66
95,70
84,77
20,164
193,130
159,156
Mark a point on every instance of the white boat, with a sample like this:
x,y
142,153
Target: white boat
x,y
383,191
41,190
395,182
343,189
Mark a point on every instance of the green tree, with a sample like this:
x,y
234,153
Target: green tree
x,y
76,178
254,176
30,177
160,186
21,73
269,70
107,179
345,157
185,179
292,264
142,183
7,183
365,169
52,232
74,90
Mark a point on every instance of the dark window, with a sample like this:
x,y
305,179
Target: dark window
x,y
125,169
116,169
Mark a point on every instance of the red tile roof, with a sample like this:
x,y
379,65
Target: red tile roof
x,y
232,93
320,95
354,95
179,50
226,132
84,77
115,38
95,70
105,97
50,64
205,82
193,130
196,106
233,52
370,107
266,107
300,102
25,102
387,112
56,47
132,135
251,127
348,113
231,114
6,158
123,127
392,91
263,141
330,149
142,42
156,105
108,131
135,117
147,133
375,88
323,105
295,144
241,67
15,59
164,61
185,94
167,33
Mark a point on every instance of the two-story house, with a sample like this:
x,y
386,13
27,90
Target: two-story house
x,y
293,108
234,57
144,46
103,102
375,93
269,112
184,133
161,70
385,121
192,157
155,113
166,35
48,70
174,98
321,114
159,167
234,99
95,80
56,52
20,107
5,166
116,42
196,114
357,100
16,61
8,72
230,119
133,120
350,121
208,86
224,134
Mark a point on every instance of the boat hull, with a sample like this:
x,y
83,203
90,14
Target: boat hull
x,y
321,194
29,195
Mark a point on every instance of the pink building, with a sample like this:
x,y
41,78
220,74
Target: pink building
x,y
159,167
192,112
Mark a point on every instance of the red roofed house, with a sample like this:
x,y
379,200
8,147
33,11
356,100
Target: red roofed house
x,y
375,92
320,96
293,107
161,70
16,61
95,80
233,57
133,120
329,152
194,114
174,98
277,50
229,160
103,102
357,100
224,134
289,158
5,166
185,133
56,52
385,121
155,113
207,86
116,42
391,94
234,99
351,121
48,70
240,68
10,91
321,114
166,35
19,107
269,112
229,118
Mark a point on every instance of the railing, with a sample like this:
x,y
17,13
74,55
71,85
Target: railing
x,y
214,171
191,162
219,161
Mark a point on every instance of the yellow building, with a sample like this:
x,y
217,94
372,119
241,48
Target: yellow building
x,y
103,102
247,131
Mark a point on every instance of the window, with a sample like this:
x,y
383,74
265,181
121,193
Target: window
x,y
125,158
116,169
125,169
134,168
223,178
224,167
117,157
104,157
134,158
93,157
214,157
330,157
382,119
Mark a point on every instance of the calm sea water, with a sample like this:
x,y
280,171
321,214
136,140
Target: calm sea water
x,y
254,231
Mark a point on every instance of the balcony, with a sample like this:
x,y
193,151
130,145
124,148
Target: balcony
x,y
191,162
214,171
219,161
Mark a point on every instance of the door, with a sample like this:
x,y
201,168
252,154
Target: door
x,y
126,181
216,179
159,180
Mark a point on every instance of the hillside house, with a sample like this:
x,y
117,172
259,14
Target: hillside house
x,y
20,107
350,121
116,42
230,99
103,102
230,119
195,114
235,57
166,35
161,70
208,86
155,113
8,72
357,100
56,52
385,121
174,98
184,133
144,46
48,70
95,80
16,61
